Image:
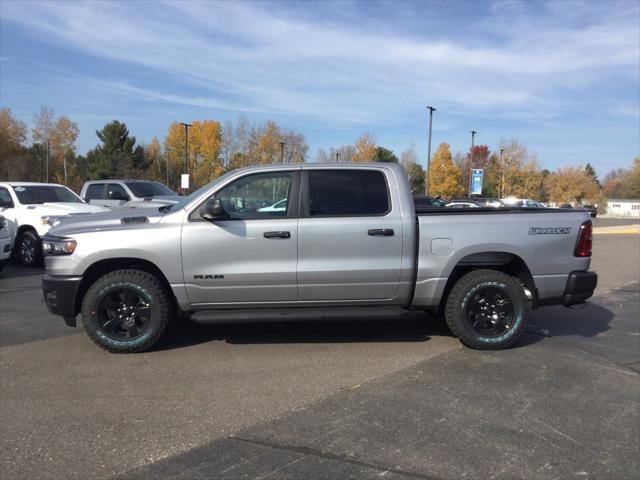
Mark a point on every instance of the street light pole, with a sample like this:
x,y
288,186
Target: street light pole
x,y
47,168
501,173
282,144
186,145
473,134
426,188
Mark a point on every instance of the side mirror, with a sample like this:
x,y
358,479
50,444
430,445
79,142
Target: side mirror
x,y
212,210
118,196
6,204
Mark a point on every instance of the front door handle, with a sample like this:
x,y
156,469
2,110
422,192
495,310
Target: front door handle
x,y
280,234
381,232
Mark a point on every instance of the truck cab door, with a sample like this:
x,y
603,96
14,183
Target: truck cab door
x,y
250,257
350,237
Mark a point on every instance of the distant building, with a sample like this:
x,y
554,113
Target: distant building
x,y
623,207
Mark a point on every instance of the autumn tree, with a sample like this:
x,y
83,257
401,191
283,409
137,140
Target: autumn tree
x,y
343,154
621,183
155,160
444,176
365,149
481,154
415,172
572,185
60,135
14,157
521,172
118,156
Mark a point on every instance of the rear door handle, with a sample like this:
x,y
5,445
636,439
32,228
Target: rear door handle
x,y
277,234
381,232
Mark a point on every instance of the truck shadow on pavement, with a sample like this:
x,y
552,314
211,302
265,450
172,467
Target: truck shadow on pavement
x,y
409,328
14,270
559,321
584,321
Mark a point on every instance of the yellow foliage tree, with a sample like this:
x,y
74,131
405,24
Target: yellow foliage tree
x,y
204,161
365,149
572,185
61,133
444,174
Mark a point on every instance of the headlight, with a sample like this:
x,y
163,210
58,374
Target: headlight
x,y
58,246
53,220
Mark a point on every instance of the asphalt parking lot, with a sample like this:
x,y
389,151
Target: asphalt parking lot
x,y
396,398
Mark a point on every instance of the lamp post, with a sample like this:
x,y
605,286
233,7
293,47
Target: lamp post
x,y
473,134
426,188
186,145
501,173
282,144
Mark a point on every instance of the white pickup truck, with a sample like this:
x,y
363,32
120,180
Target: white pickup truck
x,y
117,194
31,209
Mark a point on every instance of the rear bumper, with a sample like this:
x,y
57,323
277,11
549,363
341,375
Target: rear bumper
x,y
60,296
580,286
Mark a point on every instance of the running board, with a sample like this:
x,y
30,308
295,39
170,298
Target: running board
x,y
295,314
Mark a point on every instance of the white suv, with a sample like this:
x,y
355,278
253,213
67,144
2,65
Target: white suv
x,y
31,209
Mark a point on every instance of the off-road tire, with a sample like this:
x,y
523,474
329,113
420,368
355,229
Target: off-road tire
x,y
28,249
461,295
147,287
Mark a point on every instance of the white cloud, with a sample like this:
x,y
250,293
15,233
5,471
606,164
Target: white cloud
x,y
251,57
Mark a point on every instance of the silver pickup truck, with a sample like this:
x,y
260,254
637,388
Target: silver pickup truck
x,y
310,241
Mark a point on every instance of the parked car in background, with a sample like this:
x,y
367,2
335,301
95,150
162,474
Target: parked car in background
x,y
280,206
523,203
422,201
31,209
592,209
5,242
128,193
482,202
566,205
462,205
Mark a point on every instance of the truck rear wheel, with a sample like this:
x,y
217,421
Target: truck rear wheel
x,y
126,311
487,310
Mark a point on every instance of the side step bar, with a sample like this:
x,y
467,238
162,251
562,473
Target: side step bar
x,y
295,314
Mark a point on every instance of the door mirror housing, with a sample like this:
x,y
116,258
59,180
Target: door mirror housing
x,y
118,196
212,210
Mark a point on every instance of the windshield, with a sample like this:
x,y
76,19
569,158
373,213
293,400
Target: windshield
x,y
36,194
192,196
149,189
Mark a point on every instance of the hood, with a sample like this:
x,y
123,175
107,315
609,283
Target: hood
x,y
109,220
65,208
166,199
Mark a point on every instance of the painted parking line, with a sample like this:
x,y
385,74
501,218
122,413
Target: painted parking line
x,y
618,230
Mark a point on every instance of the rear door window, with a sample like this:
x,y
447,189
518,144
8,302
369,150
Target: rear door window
x,y
347,193
95,191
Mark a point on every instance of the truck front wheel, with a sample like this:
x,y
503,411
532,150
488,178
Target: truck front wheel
x,y
487,310
29,249
126,311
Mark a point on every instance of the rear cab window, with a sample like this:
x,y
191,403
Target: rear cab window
x,y
343,192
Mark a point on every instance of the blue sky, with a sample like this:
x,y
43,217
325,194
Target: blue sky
x,y
563,77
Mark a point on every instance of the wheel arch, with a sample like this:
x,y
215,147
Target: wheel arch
x,y
102,267
505,262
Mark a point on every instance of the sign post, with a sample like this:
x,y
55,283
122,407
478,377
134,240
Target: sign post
x,y
184,181
476,181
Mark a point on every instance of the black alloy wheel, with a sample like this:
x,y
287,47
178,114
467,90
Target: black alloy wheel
x,y
123,314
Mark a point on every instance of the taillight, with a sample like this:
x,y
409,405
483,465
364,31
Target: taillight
x,y
584,245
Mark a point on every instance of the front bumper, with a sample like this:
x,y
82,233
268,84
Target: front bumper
x,y
580,286
60,296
